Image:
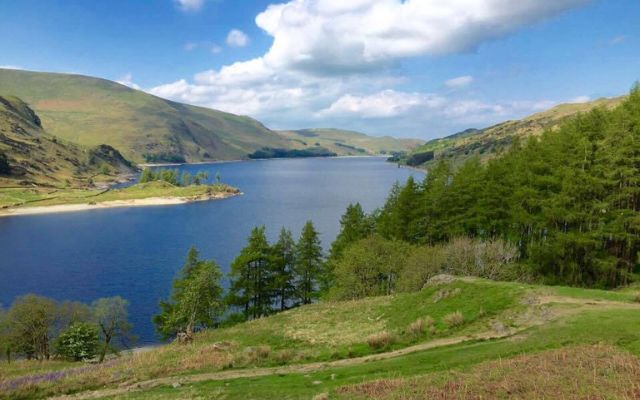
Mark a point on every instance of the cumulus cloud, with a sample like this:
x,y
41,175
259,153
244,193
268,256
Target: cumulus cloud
x,y
127,80
237,38
459,82
329,61
334,36
190,5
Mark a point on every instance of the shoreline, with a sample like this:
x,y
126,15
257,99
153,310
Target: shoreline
x,y
153,165
147,202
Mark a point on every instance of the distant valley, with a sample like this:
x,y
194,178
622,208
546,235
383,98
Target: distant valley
x,y
145,128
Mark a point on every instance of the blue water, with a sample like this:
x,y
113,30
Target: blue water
x,y
135,252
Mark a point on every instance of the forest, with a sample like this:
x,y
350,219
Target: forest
x,y
564,206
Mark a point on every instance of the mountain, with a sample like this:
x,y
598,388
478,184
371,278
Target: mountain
x,y
494,139
30,155
344,142
145,128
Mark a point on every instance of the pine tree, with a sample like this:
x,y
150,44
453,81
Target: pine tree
x,y
308,264
282,269
251,277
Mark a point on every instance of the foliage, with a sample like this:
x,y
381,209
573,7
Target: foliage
x,y
251,277
196,299
370,267
31,321
111,316
78,342
308,264
568,202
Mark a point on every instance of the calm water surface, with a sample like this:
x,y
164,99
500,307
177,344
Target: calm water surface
x,y
136,252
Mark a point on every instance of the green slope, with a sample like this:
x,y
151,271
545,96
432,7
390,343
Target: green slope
x,y
321,347
344,142
488,142
92,111
37,158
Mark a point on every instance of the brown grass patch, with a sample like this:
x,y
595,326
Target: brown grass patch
x,y
581,372
381,340
454,319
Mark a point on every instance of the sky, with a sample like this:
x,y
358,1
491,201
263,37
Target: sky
x,y
412,68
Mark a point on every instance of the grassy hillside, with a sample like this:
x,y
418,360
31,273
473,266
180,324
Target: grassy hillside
x,y
37,158
350,143
494,139
333,350
91,111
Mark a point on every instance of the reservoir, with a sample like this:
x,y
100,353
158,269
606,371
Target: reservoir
x,y
136,252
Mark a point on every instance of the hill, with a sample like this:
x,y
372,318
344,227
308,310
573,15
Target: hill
x,y
327,350
34,157
145,128
347,143
494,139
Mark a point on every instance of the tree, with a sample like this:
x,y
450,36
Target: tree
x,y
78,342
354,226
308,264
71,312
252,277
6,346
5,168
111,316
218,177
195,302
148,176
283,265
370,267
31,320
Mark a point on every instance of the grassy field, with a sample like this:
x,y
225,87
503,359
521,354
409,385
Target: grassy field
x,y
41,197
325,348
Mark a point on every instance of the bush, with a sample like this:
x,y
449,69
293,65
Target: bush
x,y
381,340
78,342
454,319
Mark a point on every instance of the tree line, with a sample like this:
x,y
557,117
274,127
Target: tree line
x,y
174,177
264,278
567,203
36,327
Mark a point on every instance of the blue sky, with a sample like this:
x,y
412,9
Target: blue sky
x,y
419,68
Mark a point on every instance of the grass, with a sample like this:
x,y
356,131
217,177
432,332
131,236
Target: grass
x,y
577,372
48,197
616,328
329,331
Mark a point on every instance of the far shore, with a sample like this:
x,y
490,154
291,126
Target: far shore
x,y
148,202
151,165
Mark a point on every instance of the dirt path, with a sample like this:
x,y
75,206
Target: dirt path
x,y
532,319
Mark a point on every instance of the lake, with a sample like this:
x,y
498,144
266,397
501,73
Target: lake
x,y
136,252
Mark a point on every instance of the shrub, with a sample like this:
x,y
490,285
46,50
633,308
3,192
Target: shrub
x,y
420,326
454,319
636,298
78,342
381,340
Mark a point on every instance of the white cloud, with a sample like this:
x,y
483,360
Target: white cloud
x,y
215,49
459,82
11,67
334,36
190,5
127,80
618,40
237,38
329,62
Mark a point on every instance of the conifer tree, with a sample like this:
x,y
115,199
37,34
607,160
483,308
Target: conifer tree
x,y
252,277
308,264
